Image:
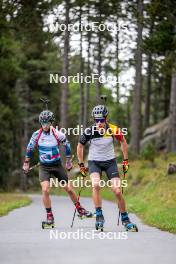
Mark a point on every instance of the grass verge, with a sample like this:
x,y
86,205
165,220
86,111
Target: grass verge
x,y
151,193
10,201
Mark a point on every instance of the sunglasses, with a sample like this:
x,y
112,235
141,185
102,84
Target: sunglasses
x,y
46,123
100,120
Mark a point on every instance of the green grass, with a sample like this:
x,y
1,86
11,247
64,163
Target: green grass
x,y
10,201
151,193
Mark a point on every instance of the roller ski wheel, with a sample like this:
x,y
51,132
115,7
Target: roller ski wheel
x,y
130,227
45,225
49,223
99,225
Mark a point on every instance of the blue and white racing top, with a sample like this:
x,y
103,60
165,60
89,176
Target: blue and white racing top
x,y
48,145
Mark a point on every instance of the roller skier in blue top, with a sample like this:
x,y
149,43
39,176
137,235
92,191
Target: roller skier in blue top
x,y
48,139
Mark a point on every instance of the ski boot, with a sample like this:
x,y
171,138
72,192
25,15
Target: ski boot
x,y
49,223
129,226
99,222
83,213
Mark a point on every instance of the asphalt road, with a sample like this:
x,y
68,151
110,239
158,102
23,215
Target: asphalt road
x,y
22,241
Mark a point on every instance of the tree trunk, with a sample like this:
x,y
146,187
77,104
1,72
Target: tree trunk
x,y
98,84
136,110
87,92
81,114
172,115
117,74
155,100
65,71
24,140
166,98
148,95
24,134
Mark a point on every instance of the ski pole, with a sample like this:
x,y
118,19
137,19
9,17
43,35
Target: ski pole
x,y
75,208
122,193
79,194
35,166
45,102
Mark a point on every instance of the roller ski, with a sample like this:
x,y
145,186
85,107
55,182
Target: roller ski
x,y
49,223
99,224
83,213
129,226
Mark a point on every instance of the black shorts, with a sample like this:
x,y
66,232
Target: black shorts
x,y
48,171
108,166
